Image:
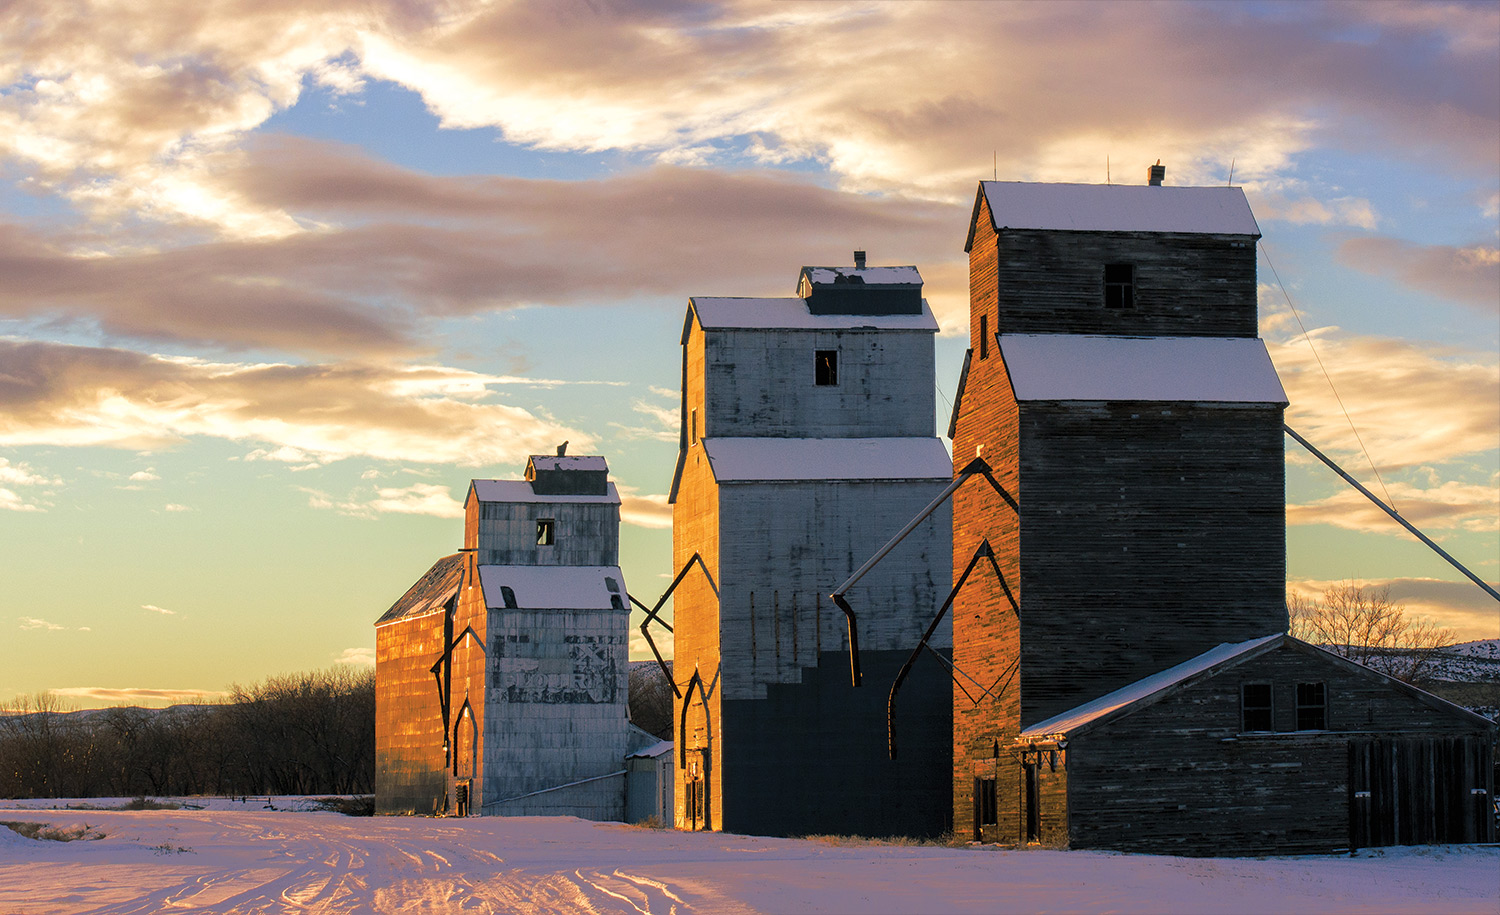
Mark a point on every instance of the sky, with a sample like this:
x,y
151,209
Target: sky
x,y
277,278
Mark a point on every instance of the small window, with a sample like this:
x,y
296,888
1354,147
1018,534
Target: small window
x,y
1255,707
544,532
986,808
693,439
984,336
508,597
826,367
1119,285
1312,707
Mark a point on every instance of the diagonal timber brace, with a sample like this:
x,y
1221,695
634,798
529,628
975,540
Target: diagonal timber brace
x,y
983,551
976,467
651,613
1391,511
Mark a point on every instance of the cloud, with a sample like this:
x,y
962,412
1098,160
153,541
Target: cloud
x,y
640,650
1470,275
1414,403
649,511
356,657
144,475
1304,210
175,507
1458,605
85,396
20,474
31,622
417,499
137,695
155,609
1451,506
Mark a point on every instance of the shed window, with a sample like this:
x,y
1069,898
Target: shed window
x,y
545,528
1312,707
986,808
1255,707
826,367
1119,285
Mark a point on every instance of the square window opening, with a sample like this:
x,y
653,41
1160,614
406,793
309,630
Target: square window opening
x,y
545,532
1255,707
826,367
1119,286
1312,707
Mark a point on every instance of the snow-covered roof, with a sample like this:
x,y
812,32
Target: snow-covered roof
x,y
553,587
430,592
1089,712
521,491
1085,367
659,748
570,462
869,276
745,460
1119,208
720,313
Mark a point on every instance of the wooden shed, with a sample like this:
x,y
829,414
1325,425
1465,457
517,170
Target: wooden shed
x,y
1269,745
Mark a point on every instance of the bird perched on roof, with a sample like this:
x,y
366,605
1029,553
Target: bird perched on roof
x,y
562,450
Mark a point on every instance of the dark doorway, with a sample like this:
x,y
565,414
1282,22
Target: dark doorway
x,y
1033,803
1420,791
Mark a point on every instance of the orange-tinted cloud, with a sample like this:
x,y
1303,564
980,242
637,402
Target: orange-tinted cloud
x,y
1470,275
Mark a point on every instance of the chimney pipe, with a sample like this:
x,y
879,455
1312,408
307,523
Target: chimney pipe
x,y
859,260
1155,174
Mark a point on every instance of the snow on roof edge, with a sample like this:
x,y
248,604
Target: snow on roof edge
x,y
1133,693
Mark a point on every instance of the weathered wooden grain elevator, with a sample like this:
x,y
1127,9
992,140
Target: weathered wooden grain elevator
x,y
1144,696
807,437
501,674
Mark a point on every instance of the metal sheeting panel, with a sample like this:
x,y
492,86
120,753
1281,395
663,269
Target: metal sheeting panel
x,y
1196,369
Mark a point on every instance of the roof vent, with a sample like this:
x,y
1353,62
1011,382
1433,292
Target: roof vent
x,y
859,260
1155,174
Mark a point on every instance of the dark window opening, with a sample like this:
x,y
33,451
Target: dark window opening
x,y
611,584
616,602
1033,801
826,367
1312,707
1119,285
1255,707
693,440
544,532
508,597
986,806
984,336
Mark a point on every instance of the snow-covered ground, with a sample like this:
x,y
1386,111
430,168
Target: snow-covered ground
x,y
241,857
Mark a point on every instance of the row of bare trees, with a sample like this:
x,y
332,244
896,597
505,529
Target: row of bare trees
x,y
1366,626
307,733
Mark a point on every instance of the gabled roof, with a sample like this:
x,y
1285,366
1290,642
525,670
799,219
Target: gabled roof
x,y
1148,691
553,587
434,589
1087,367
725,313
757,460
521,491
1115,208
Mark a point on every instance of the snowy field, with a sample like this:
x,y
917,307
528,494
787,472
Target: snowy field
x,y
241,857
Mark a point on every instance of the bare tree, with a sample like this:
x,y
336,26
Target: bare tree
x,y
1366,626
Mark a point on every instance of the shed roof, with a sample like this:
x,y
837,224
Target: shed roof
x,y
1117,208
1086,367
726,313
553,587
521,491
436,586
747,460
568,462
660,748
1149,690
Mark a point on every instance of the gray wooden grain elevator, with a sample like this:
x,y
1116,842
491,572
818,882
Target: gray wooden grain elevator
x,y
807,440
